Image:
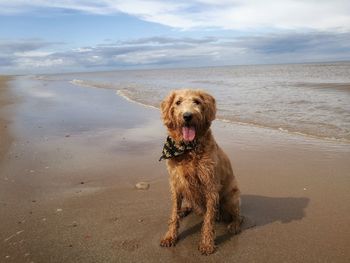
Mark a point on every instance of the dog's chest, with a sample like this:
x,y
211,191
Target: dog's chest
x,y
189,183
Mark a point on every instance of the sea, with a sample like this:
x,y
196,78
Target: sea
x,y
305,99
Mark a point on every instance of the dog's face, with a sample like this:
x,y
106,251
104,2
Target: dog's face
x,y
188,113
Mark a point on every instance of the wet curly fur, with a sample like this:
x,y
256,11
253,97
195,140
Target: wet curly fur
x,y
202,177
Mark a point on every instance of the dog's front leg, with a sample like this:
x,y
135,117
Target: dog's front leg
x,y
206,245
171,236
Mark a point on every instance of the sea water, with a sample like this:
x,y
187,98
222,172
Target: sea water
x,y
308,99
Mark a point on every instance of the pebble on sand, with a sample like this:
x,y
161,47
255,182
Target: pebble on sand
x,y
142,186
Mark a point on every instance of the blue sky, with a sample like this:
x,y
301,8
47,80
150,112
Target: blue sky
x,y
40,36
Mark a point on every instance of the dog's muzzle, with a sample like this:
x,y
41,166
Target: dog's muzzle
x,y
187,117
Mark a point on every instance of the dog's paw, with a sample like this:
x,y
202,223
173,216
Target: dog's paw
x,y
206,248
235,226
168,242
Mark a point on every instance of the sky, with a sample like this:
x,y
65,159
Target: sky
x,y
39,36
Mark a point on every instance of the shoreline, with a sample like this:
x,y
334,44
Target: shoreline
x,y
122,93
68,186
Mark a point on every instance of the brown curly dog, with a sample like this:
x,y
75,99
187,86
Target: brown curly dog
x,y
201,176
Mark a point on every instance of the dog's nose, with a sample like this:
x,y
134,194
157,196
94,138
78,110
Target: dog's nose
x,y
187,116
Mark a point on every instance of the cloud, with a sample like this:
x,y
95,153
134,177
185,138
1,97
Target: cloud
x,y
25,55
315,42
206,14
32,56
169,40
10,46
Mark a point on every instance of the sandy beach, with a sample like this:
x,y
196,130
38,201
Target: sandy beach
x,y
71,156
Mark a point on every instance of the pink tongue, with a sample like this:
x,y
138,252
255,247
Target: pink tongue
x,y
188,133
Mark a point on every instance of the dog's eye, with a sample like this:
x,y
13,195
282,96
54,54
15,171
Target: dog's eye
x,y
196,101
178,102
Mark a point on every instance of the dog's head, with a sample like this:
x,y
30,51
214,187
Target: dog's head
x,y
188,113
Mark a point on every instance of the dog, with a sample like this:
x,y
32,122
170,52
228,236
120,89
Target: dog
x,y
200,172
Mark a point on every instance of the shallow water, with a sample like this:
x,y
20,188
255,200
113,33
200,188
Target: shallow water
x,y
310,99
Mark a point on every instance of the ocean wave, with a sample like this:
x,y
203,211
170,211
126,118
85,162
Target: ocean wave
x,y
91,84
83,83
124,94
286,130
127,96
296,102
39,77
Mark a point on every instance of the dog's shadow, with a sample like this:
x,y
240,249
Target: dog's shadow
x,y
259,211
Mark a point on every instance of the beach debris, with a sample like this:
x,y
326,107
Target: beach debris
x,y
142,186
82,182
74,224
67,135
26,255
32,171
304,189
44,219
13,235
7,257
58,210
33,201
70,245
140,220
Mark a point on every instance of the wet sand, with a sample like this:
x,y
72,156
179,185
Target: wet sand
x,y
67,191
5,100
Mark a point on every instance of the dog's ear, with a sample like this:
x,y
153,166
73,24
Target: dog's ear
x,y
166,109
209,106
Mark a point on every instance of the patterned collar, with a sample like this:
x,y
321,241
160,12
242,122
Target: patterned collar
x,y
172,149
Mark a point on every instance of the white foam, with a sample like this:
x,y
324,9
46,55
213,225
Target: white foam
x,y
122,94
82,83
